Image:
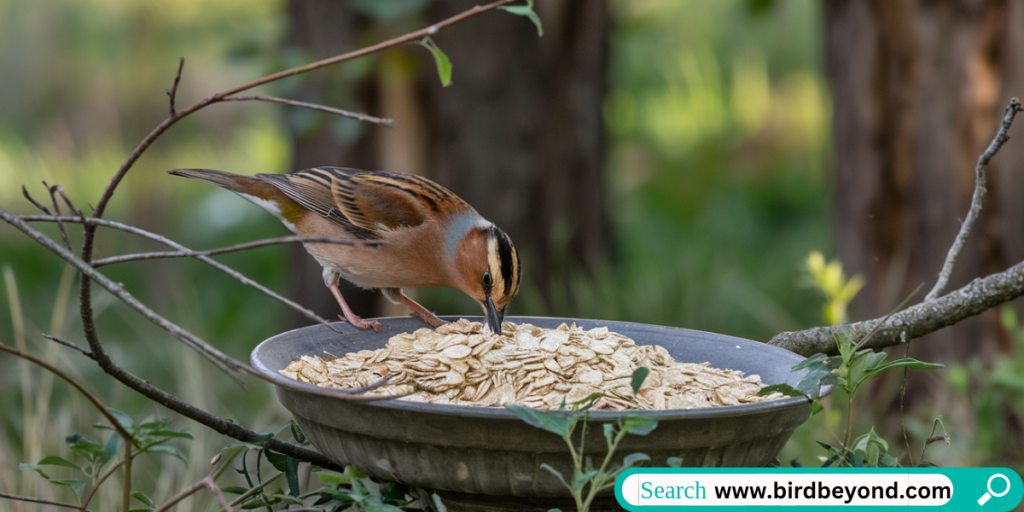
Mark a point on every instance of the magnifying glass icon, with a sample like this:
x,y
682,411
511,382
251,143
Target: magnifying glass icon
x,y
988,495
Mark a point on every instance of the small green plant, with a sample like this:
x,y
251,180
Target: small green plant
x,y
848,371
830,279
587,480
102,459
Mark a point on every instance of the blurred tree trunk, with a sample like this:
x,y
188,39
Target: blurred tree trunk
x,y
318,29
520,132
917,90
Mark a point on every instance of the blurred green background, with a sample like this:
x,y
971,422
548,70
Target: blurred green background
x,y
718,126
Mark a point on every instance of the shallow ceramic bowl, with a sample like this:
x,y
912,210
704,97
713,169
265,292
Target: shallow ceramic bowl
x,y
490,451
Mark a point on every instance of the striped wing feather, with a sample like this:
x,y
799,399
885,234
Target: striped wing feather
x,y
366,203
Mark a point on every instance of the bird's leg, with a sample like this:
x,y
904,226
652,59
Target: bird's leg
x,y
359,323
396,295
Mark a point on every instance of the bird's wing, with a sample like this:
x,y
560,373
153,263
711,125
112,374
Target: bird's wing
x,y
367,203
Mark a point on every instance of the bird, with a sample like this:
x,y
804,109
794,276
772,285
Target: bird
x,y
407,232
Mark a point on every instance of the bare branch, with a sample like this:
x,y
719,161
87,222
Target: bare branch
x,y
206,482
56,210
223,361
41,502
918,320
93,221
213,252
69,344
979,191
313,106
24,192
174,88
60,373
170,121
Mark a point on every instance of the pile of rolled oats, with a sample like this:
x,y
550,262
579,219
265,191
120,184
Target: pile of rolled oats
x,y
458,363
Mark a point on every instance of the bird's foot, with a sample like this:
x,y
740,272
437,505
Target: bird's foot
x,y
430,318
359,323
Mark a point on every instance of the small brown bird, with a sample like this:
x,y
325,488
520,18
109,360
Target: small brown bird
x,y
412,233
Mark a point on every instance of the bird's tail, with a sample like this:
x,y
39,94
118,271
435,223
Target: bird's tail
x,y
233,182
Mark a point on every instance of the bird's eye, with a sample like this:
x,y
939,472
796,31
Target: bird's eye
x,y
487,279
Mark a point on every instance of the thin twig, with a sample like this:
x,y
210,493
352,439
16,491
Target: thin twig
x,y
903,394
101,205
103,478
213,252
69,344
60,373
41,502
979,191
93,221
56,211
228,364
383,121
174,88
24,192
208,483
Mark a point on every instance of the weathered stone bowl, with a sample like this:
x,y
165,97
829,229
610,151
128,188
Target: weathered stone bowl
x,y
477,451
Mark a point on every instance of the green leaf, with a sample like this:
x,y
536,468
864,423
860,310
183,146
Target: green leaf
x,y
438,506
155,424
586,403
810,361
291,473
173,433
79,486
122,418
444,66
297,434
143,498
557,422
84,445
639,425
375,504
872,448
53,460
581,479
816,408
633,458
526,10
168,450
276,459
29,467
557,474
674,462
908,363
113,446
783,388
639,375
332,477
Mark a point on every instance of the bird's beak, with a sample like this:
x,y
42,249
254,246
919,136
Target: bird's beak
x,y
493,316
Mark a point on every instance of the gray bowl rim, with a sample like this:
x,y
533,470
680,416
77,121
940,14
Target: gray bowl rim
x,y
501,413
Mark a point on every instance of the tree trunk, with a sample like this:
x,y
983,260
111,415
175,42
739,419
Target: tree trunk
x,y
918,89
320,29
520,132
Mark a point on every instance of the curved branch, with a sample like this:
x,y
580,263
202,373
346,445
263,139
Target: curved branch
x,y
41,502
228,364
979,191
918,320
313,106
184,251
187,253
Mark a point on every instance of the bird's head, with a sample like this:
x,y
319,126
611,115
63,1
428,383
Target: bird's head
x,y
489,271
